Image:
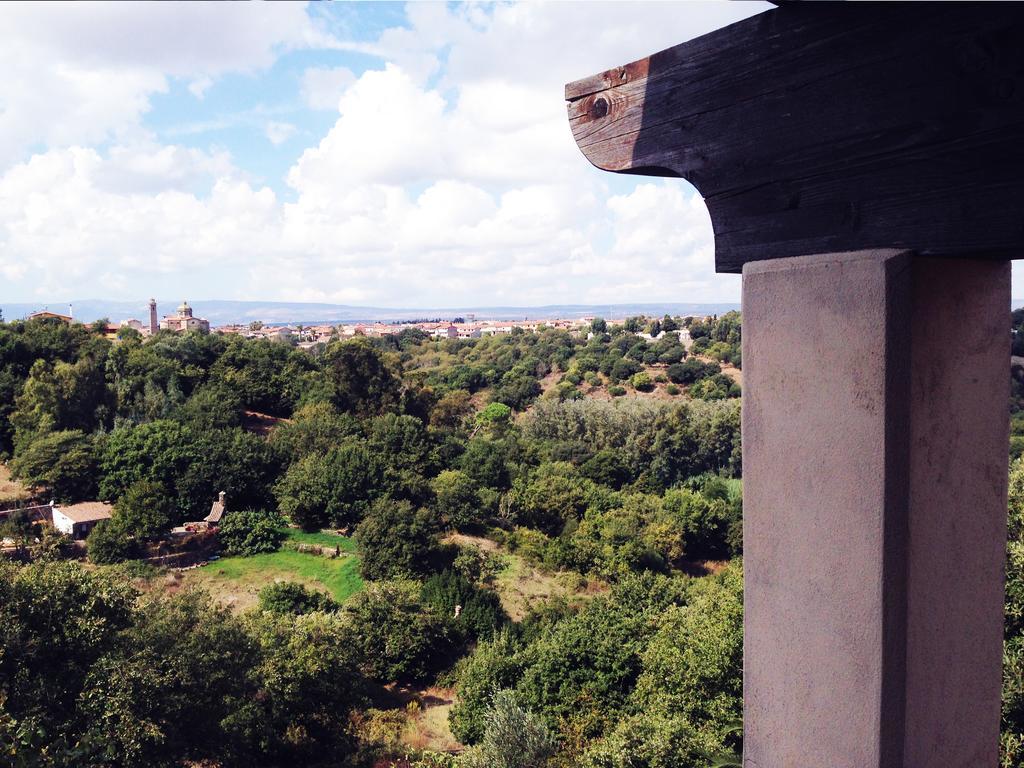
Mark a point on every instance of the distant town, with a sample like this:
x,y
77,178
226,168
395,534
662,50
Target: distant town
x,y
183,319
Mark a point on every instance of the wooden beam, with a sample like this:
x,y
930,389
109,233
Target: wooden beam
x,y
826,127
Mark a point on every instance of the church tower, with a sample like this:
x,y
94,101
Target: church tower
x,y
152,317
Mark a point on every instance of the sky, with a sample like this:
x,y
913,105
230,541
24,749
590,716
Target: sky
x,y
378,154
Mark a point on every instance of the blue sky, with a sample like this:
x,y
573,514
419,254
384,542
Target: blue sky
x,y
364,153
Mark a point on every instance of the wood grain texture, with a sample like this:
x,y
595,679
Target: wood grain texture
x,y
821,127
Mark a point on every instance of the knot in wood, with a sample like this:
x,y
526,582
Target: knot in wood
x,y
599,108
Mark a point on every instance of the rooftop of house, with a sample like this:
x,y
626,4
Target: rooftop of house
x,y
86,511
216,510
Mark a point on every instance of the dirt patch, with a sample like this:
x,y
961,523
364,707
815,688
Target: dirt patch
x,y
261,423
463,540
11,491
702,567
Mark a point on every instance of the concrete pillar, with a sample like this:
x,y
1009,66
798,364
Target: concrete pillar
x,y
875,441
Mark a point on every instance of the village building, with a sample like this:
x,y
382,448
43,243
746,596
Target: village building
x,y
135,325
47,315
183,321
77,520
212,520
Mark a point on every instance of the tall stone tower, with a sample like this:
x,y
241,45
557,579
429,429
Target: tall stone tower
x,y
152,317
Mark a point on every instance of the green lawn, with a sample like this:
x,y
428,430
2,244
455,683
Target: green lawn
x,y
322,539
238,580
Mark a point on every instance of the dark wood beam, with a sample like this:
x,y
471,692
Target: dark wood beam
x,y
826,127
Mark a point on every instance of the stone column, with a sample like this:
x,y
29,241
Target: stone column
x,y
875,441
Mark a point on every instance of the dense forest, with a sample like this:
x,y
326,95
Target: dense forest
x,y
610,458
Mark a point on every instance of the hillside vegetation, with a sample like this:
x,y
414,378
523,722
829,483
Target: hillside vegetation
x,y
438,553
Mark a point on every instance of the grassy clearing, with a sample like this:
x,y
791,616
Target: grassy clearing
x,y
11,491
237,581
427,725
521,585
321,538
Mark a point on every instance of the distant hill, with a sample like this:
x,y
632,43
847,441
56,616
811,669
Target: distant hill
x,y
280,312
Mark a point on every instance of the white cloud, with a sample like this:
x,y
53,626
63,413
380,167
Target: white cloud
x,y
279,133
79,73
450,175
322,86
200,86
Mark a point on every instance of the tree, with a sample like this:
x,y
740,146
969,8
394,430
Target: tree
x,y
607,468
144,511
161,451
61,396
623,369
647,740
395,637
598,326
456,499
307,683
493,666
551,499
335,488
516,390
20,528
396,539
161,694
212,406
64,463
693,664
451,410
251,532
56,621
315,428
495,417
362,383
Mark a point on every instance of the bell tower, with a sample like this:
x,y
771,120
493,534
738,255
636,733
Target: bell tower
x,y
152,317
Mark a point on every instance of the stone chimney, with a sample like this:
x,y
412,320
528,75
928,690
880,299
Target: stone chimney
x,y
152,317
220,498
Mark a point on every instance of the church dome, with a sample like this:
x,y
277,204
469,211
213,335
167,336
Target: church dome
x,y
185,310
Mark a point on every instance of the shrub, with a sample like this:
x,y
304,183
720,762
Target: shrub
x,y
514,737
616,391
672,389
108,543
476,565
479,610
642,382
251,532
291,597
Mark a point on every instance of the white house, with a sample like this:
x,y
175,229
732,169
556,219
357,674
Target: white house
x,y
76,520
